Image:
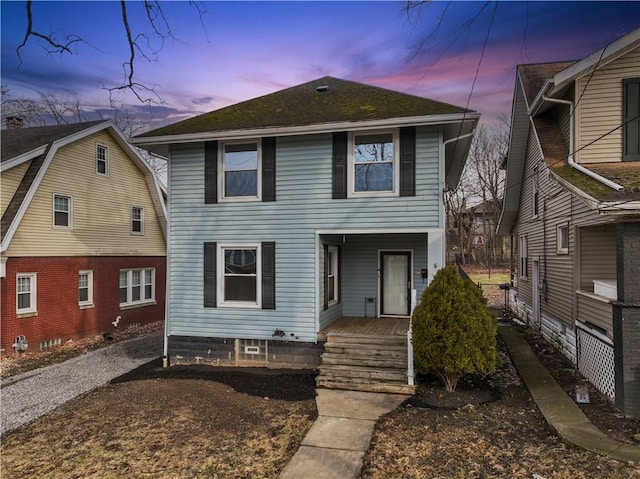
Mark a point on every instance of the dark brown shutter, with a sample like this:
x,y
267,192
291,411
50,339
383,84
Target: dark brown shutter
x,y
631,130
326,277
210,254
211,172
408,161
269,169
268,275
340,165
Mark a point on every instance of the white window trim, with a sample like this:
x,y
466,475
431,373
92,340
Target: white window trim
x,y
523,255
220,275
221,175
559,229
53,207
106,159
351,192
333,250
141,232
141,302
89,301
33,306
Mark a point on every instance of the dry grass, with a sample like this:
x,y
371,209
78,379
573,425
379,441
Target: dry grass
x,y
161,428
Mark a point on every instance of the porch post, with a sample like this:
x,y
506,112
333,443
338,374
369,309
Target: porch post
x,y
626,319
435,252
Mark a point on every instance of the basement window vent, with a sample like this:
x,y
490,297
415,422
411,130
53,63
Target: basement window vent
x,y
322,88
50,343
133,325
252,350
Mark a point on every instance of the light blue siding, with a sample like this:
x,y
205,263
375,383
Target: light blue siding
x,y
303,205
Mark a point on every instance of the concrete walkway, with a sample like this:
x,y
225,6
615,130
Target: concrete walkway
x,y
560,411
335,445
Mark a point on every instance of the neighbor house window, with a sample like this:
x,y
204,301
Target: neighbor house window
x,y
536,192
562,239
137,220
240,170
240,274
137,286
62,211
85,288
523,256
26,293
373,164
102,160
332,275
631,116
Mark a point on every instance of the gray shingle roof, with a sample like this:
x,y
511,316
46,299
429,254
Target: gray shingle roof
x,y
18,141
324,100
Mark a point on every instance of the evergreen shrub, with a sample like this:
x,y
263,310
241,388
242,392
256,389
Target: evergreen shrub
x,y
453,333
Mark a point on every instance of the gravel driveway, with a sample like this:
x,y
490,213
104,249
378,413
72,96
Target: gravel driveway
x,y
27,396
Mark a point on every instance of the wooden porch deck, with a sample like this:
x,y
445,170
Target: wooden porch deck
x,y
367,327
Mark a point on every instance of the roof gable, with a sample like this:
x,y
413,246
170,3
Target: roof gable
x,y
41,144
325,100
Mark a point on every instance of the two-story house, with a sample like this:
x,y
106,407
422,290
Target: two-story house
x,y
572,208
313,205
83,235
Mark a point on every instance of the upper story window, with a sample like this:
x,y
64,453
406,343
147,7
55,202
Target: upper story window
x,y
535,200
137,286
631,115
102,160
373,169
137,220
62,211
562,239
26,293
240,167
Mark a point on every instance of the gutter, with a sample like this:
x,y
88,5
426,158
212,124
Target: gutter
x,y
571,160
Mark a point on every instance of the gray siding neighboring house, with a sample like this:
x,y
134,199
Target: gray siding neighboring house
x,y
325,246
572,209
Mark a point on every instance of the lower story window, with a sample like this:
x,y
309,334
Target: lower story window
x,y
240,275
26,293
332,275
137,286
85,288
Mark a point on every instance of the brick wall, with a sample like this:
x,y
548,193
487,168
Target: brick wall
x,y
58,313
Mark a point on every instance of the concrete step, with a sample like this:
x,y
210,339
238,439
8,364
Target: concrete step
x,y
355,384
395,361
364,339
363,372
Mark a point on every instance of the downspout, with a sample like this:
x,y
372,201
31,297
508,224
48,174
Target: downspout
x,y
570,158
444,143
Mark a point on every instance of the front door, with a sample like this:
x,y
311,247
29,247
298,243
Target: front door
x,y
395,283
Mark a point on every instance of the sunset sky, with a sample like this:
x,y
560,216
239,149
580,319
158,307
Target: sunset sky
x,y
241,50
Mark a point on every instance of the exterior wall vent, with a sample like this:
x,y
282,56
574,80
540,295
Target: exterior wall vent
x,y
322,88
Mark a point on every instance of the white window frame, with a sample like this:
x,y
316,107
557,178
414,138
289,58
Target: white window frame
x,y
562,233
141,220
89,301
351,190
33,291
220,286
144,273
105,159
69,213
334,264
221,172
523,257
